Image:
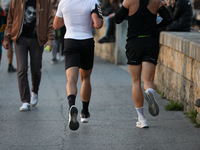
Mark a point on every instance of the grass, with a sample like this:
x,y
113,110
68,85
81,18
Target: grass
x,y
192,114
163,95
177,106
174,106
197,125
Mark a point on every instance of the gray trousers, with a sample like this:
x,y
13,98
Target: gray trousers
x,y
22,47
56,47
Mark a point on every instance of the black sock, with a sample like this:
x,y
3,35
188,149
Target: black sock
x,y
85,107
71,100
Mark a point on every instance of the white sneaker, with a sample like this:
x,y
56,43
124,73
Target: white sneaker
x,y
142,123
85,117
62,58
73,123
34,99
153,105
25,107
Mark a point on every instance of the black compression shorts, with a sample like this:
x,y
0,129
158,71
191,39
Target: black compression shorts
x,y
79,53
142,49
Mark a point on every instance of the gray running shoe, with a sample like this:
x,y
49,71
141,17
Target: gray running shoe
x,y
197,103
73,123
153,105
34,99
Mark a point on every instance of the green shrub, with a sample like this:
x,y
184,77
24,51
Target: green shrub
x,y
163,95
197,125
192,114
174,106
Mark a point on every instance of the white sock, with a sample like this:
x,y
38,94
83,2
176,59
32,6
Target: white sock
x,y
151,90
140,113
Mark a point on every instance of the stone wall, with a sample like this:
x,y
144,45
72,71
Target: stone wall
x,y
178,69
113,52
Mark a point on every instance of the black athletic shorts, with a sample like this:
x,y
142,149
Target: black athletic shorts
x,y
142,49
79,53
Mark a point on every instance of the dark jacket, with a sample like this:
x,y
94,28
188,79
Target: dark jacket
x,y
44,21
182,15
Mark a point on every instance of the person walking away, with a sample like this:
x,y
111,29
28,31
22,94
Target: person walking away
x,y
78,50
5,5
57,40
110,23
142,49
31,25
2,28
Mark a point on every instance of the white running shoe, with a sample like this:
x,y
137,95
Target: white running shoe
x,y
85,117
153,105
25,107
62,58
73,123
142,123
34,99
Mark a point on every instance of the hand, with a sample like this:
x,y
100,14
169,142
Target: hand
x,y
92,25
50,43
6,44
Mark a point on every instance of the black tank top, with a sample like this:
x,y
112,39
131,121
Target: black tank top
x,y
143,22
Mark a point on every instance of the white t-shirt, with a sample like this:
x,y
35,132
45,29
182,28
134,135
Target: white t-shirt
x,y
77,17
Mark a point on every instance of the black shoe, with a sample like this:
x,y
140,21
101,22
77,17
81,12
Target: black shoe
x,y
11,68
73,123
85,117
107,39
54,61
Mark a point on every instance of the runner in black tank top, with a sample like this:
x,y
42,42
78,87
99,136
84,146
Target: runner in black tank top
x,y
142,49
143,22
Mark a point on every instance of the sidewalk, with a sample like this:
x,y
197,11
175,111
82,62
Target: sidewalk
x,y
113,115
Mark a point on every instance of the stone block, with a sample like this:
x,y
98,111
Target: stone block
x,y
183,50
197,93
112,52
197,52
192,49
194,71
189,68
161,40
172,41
187,47
179,62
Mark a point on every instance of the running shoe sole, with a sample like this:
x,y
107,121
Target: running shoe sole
x,y
153,105
197,103
73,123
139,126
142,125
26,109
84,120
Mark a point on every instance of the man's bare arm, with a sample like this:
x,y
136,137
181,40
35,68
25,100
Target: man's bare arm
x,y
58,22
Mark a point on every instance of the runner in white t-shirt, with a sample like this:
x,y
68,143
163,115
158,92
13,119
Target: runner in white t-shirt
x,y
79,16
